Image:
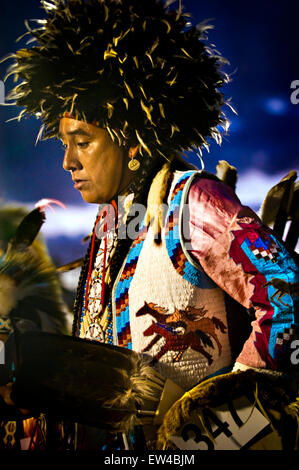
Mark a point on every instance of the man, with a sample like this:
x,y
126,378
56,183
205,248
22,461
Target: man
x,y
127,86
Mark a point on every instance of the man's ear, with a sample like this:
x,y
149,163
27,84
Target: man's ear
x,y
133,151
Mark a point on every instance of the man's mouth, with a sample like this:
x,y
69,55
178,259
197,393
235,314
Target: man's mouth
x,y
78,184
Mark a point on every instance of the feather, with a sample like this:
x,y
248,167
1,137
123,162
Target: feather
x,y
30,226
54,78
29,285
278,197
156,198
34,288
95,383
227,173
70,266
27,231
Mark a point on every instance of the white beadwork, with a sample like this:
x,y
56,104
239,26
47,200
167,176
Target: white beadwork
x,y
156,281
90,327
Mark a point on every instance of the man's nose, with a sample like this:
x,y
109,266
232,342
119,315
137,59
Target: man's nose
x,y
70,160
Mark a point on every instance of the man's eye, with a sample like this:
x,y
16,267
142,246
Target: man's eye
x,y
83,145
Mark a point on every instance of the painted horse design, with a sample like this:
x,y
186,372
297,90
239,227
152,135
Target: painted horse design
x,y
182,329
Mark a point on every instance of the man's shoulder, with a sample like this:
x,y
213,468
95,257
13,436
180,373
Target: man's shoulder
x,y
205,188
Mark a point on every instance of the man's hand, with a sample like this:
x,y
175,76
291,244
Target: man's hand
x,y
5,392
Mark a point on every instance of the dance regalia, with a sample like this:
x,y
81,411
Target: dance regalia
x,y
145,74
182,302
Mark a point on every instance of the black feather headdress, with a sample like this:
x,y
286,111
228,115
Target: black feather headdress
x,y
137,68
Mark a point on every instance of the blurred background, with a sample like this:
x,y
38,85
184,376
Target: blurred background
x,y
259,38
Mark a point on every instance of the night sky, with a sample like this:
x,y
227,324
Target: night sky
x,y
260,39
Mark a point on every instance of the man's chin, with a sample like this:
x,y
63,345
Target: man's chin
x,y
91,198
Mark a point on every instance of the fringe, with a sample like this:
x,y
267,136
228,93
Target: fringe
x,y
142,395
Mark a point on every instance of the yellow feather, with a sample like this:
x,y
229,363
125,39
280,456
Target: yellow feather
x,y
142,143
110,110
167,24
150,58
136,62
161,110
129,90
147,112
143,92
186,53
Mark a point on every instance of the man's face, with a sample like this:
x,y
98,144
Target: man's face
x,y
98,165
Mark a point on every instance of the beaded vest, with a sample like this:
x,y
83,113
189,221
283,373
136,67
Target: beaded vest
x,y
165,306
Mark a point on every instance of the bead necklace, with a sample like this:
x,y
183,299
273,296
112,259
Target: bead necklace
x,y
92,327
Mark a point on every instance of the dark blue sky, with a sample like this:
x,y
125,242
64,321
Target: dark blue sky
x,y
260,39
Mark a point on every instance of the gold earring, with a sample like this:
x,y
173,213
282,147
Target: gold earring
x,y
133,164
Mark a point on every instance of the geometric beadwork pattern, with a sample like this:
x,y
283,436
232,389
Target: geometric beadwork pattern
x,y
178,258
263,249
273,273
122,291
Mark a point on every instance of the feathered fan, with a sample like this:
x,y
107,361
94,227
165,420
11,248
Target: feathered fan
x,y
86,381
29,285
